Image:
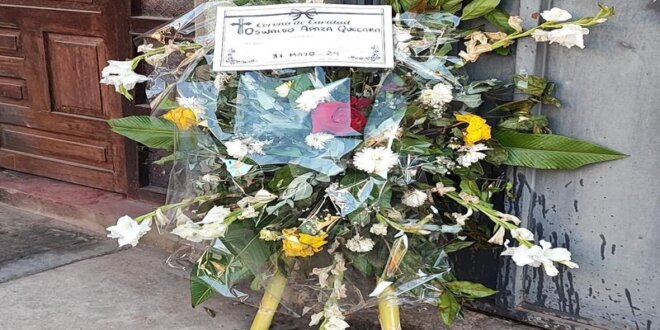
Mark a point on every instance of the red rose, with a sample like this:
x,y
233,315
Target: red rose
x,y
358,105
332,117
358,120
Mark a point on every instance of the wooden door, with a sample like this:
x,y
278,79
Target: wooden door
x,y
53,110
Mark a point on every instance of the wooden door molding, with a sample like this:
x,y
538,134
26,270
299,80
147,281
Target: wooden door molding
x,y
53,110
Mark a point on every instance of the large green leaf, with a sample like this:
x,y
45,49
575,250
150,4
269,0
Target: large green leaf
x,y
478,8
153,132
549,151
244,243
449,308
470,289
199,290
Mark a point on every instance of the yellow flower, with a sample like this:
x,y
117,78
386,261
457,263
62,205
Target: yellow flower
x,y
477,129
184,118
296,244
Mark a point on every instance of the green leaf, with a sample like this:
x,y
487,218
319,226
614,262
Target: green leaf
x,y
546,151
449,307
532,85
199,290
500,18
478,8
452,6
153,132
457,246
470,289
244,244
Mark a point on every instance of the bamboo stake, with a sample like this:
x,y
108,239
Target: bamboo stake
x,y
388,310
269,302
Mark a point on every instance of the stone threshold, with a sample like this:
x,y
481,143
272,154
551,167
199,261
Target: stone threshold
x,y
88,208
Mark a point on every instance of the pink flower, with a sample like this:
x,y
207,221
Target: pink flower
x,y
332,117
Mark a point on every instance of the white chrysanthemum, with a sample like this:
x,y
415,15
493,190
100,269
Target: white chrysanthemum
x,y
437,97
236,148
221,80
128,231
239,148
318,141
284,89
375,160
379,229
310,99
536,256
469,155
556,15
569,35
360,244
414,198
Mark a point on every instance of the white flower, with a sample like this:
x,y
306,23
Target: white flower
x,y
508,217
414,198
360,244
128,231
213,230
460,218
216,214
522,233
569,35
284,89
145,48
310,99
468,197
239,148
188,231
221,80
540,35
469,155
437,97
318,141
264,196
375,160
515,22
498,237
379,229
248,213
556,15
441,190
121,75
536,256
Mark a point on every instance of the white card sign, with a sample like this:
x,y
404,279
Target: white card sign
x,y
302,35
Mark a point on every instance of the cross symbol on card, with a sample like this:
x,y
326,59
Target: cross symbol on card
x,y
240,25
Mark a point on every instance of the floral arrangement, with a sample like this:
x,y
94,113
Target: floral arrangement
x,y
316,177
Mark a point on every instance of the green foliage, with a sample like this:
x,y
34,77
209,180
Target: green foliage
x,y
546,151
450,308
470,289
457,246
199,290
244,243
499,18
478,8
153,132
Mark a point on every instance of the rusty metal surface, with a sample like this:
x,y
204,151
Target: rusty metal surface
x,y
606,213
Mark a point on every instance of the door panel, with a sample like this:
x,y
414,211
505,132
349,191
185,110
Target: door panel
x,y
53,110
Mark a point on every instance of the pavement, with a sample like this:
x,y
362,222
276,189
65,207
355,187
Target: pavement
x,y
57,276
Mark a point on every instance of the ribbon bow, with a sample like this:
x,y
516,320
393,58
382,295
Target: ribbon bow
x,y
296,14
